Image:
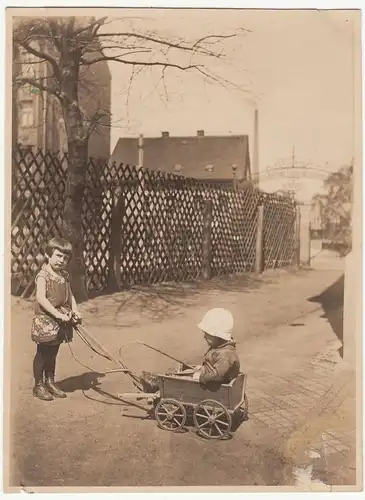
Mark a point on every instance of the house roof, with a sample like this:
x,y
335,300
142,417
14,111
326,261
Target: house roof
x,y
201,157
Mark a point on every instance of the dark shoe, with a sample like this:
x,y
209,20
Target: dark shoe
x,y
53,389
149,382
40,392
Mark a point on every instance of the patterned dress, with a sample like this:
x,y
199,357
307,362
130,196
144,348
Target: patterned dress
x,y
45,328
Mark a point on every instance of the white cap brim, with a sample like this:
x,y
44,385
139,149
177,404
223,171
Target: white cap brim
x,y
210,331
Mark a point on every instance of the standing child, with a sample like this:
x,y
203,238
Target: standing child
x,y
51,327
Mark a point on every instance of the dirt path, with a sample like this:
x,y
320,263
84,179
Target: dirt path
x,y
79,442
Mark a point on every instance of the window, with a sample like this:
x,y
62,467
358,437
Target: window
x,y
26,113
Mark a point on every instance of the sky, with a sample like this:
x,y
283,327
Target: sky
x,y
297,67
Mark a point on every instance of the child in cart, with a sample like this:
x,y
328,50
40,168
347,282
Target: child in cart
x,y
220,364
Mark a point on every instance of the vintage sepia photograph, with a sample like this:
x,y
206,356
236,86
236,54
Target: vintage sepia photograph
x,y
183,285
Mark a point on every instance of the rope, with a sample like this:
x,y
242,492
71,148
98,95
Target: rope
x,y
86,366
78,328
83,334
155,349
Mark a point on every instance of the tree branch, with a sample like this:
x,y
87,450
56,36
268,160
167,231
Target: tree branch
x,y
89,62
91,49
43,55
161,41
56,33
139,63
35,83
220,80
97,23
27,63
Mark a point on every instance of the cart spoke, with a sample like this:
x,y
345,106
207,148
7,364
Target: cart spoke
x,y
206,411
204,424
222,423
160,414
202,416
218,429
220,414
177,422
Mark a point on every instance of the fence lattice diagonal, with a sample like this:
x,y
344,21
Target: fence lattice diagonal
x,y
150,223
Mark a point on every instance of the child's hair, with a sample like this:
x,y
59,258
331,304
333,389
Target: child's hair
x,y
59,244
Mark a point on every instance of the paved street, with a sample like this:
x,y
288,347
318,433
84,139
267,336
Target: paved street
x,y
287,344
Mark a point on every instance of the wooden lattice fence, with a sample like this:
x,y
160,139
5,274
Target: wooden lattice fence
x,y
147,224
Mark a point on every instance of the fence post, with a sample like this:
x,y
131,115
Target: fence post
x,y
207,240
115,252
305,236
297,238
259,264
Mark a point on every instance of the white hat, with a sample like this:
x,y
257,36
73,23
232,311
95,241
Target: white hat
x,y
218,323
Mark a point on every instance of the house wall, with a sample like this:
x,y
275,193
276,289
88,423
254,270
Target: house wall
x,y
47,129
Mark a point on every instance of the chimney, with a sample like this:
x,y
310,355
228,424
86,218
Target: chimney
x,y
200,133
165,134
140,151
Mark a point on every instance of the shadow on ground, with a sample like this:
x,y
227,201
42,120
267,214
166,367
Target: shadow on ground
x,y
161,300
82,382
331,300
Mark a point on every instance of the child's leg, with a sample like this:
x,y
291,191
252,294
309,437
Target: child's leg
x,y
39,389
50,360
50,369
38,365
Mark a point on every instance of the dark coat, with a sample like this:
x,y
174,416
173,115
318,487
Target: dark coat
x,y
221,364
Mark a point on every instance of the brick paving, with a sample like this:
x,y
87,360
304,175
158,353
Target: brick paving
x,y
308,398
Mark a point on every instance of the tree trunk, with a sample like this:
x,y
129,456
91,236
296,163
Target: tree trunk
x,y
77,142
72,224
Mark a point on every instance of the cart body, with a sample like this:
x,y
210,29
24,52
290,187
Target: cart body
x,y
190,392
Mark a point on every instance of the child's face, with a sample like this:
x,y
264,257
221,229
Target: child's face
x,y
58,260
210,340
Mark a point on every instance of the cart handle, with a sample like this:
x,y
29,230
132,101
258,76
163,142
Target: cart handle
x,y
157,350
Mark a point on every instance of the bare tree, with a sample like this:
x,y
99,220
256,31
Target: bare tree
x,y
70,47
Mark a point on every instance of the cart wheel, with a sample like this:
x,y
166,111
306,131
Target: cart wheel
x,y
170,415
212,420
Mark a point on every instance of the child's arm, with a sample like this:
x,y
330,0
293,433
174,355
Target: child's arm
x,y
74,306
45,303
214,372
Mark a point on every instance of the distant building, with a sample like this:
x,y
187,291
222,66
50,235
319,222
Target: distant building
x,y
38,119
214,158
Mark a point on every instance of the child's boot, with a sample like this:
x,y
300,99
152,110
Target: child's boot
x,y
53,389
40,392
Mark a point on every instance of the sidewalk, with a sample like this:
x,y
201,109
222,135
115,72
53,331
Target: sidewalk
x,y
304,398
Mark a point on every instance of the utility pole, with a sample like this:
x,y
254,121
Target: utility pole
x,y
140,151
293,157
255,167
